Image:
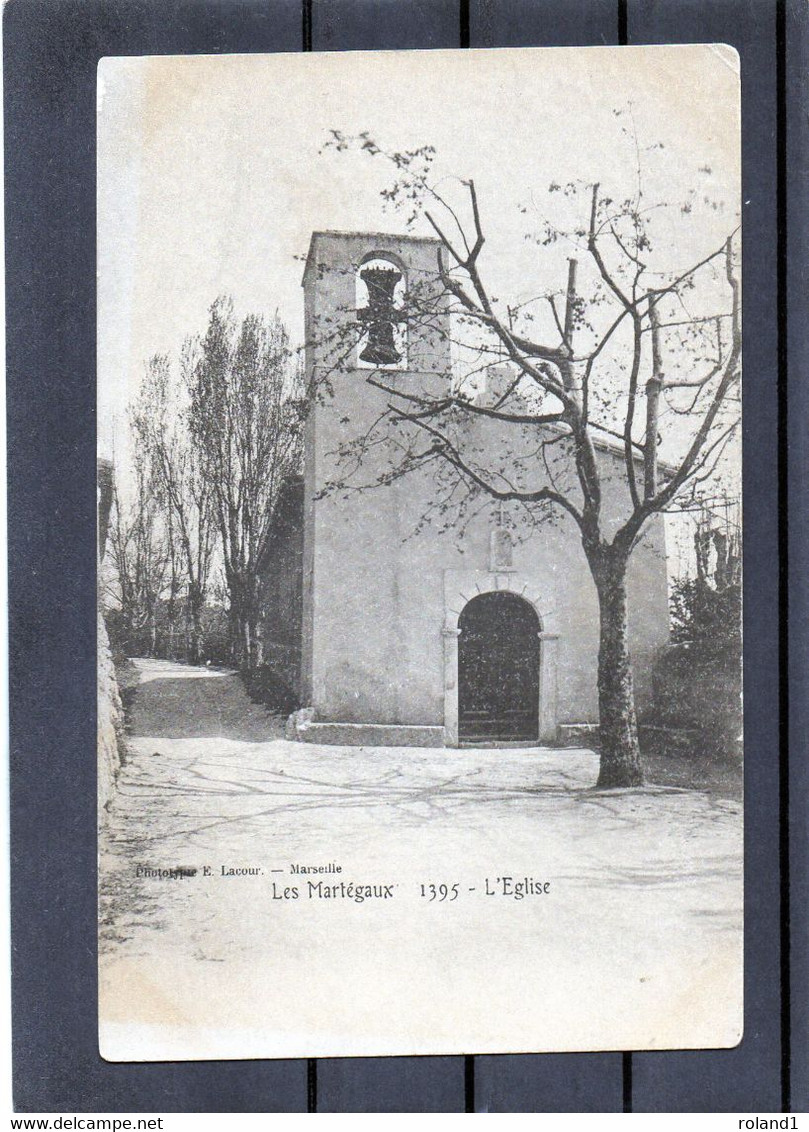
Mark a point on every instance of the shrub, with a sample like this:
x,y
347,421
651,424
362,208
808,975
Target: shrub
x,y
266,685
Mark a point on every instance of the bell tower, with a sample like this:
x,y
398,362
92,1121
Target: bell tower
x,y
375,314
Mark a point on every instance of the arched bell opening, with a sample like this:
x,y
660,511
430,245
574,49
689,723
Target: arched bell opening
x,y
381,285
498,669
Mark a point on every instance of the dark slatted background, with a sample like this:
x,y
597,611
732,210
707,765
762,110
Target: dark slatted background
x,y
51,52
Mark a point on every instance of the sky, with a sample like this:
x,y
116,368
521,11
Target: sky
x,y
212,173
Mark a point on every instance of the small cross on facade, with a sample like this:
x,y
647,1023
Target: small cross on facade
x,y
500,551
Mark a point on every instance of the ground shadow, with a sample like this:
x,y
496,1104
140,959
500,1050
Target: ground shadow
x,y
214,706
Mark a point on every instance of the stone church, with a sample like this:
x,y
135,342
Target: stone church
x,y
394,631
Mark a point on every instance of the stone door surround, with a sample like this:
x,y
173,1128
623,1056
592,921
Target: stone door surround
x,y
460,586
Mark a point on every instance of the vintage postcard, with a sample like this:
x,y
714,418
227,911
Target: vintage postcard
x,y
419,553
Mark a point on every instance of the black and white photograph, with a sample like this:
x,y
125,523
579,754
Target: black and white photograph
x,y
419,552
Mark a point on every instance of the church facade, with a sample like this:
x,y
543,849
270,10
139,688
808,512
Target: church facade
x,y
400,627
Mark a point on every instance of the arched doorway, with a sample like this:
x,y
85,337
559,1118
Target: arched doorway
x,y
498,669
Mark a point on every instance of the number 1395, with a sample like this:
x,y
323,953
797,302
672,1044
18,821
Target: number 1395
x,y
439,892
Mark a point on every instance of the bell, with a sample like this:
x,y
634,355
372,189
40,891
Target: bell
x,y
380,316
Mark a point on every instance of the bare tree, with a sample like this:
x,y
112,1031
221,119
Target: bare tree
x,y
138,552
160,433
245,426
628,351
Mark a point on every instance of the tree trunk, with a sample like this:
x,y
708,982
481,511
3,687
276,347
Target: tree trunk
x,y
244,620
248,622
235,631
252,641
196,601
620,751
254,652
195,649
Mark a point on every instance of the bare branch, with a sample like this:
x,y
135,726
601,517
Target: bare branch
x,y
592,247
653,387
630,409
450,453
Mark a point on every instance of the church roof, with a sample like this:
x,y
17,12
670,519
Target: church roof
x,y
615,447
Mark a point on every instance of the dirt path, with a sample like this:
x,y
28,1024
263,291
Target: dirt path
x,y
177,701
